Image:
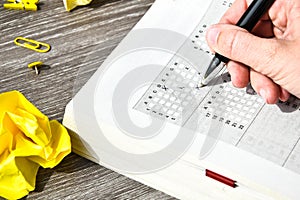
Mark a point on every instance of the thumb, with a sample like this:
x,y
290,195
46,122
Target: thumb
x,y
239,45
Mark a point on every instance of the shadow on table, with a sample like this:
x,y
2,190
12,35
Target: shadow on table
x,y
70,165
100,3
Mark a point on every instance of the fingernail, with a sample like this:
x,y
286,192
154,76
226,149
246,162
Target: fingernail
x,y
263,94
212,35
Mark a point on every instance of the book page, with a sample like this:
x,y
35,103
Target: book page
x,y
265,130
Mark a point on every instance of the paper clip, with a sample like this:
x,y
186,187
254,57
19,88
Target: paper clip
x,y
21,4
32,44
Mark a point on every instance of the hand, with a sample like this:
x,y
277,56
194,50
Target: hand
x,y
272,50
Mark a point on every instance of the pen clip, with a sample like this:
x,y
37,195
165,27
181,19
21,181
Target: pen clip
x,y
32,44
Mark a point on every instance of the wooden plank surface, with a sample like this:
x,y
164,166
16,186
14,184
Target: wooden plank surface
x,y
73,37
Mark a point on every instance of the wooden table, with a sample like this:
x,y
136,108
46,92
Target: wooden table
x,y
72,36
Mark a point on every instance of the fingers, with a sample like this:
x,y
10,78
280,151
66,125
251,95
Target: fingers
x,y
239,45
265,87
256,50
270,91
239,74
266,50
284,94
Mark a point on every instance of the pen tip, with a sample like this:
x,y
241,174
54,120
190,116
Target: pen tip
x,y
201,84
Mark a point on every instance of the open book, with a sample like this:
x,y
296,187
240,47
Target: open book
x,y
143,115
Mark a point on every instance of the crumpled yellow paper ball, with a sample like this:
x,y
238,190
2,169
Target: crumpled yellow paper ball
x,y
71,4
28,140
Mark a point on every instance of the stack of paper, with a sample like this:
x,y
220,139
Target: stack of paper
x,y
142,114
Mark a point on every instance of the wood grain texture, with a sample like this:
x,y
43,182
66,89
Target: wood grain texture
x,y
73,37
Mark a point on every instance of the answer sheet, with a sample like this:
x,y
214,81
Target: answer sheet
x,y
272,132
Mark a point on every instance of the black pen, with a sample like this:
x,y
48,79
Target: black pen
x,y
248,20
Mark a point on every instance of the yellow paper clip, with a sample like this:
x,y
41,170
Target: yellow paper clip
x,y
32,44
21,4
